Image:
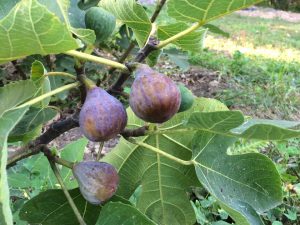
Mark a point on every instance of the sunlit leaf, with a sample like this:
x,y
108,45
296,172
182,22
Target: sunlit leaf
x,y
30,28
7,121
132,14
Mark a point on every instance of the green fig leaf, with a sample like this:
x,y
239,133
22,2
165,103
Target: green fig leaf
x,y
191,42
32,120
133,15
52,207
120,213
35,172
15,93
41,32
41,82
204,11
7,121
156,174
246,183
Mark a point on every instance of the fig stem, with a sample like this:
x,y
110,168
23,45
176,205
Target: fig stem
x,y
64,162
100,150
158,8
61,74
67,194
48,94
162,153
89,84
96,59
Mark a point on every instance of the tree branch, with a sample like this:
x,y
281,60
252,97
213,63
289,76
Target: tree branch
x,y
55,130
141,56
159,7
141,131
149,47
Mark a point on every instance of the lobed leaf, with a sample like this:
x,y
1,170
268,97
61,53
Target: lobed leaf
x,y
31,121
51,207
15,93
7,121
163,198
29,28
190,42
41,82
204,11
6,6
267,129
245,183
120,213
132,14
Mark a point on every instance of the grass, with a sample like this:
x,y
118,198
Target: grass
x,y
260,63
260,67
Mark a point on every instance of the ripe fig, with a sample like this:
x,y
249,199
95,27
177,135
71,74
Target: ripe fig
x,y
154,97
98,181
187,98
102,116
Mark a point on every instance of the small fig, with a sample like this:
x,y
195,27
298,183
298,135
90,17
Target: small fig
x,y
154,97
187,98
102,116
101,21
98,181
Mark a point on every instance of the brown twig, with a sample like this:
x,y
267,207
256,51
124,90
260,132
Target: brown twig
x,y
55,130
158,8
141,56
149,47
138,132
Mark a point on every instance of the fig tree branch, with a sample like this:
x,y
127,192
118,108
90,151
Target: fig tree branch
x,y
138,132
141,56
56,129
158,8
149,47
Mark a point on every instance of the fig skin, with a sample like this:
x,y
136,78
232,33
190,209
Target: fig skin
x,y
187,98
154,97
98,181
102,116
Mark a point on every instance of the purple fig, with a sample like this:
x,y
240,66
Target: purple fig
x,y
102,116
154,97
98,181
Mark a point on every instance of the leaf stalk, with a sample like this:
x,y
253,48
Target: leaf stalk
x,y
48,94
179,35
96,59
67,194
61,74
